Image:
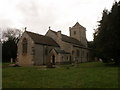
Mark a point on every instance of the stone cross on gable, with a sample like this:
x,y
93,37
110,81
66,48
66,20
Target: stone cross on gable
x,y
49,27
25,28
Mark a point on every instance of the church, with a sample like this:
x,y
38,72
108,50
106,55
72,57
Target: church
x,y
54,48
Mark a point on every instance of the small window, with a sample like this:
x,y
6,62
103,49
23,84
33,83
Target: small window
x,y
24,46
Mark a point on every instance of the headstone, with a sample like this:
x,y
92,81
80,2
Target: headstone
x,y
11,60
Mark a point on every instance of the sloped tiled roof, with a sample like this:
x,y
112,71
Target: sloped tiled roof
x,y
40,39
68,39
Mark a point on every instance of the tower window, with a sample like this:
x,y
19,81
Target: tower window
x,y
24,46
74,32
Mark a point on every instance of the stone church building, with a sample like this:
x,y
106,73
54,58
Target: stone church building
x,y
54,47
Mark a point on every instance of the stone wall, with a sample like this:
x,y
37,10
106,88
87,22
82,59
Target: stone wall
x,y
38,56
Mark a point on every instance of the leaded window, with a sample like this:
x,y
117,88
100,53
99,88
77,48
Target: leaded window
x,y
24,46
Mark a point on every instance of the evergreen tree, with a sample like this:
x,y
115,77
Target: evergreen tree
x,y
107,36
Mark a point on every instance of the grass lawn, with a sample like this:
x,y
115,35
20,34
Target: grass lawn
x,y
86,75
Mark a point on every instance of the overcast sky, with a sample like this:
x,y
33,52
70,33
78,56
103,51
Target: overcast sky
x,y
38,15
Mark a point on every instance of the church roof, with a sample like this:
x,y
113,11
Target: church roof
x,y
40,39
68,39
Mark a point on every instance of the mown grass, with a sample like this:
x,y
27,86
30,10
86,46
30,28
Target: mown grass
x,y
86,75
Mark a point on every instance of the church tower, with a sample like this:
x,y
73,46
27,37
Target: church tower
x,y
78,32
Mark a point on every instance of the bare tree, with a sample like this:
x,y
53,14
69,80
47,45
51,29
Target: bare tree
x,y
11,34
9,39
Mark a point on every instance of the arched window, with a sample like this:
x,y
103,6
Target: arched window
x,y
24,46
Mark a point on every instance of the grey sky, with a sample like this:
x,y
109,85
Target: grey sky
x,y
38,15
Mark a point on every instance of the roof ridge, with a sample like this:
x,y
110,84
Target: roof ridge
x,y
53,31
37,34
34,33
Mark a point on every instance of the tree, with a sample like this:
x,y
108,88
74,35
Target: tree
x,y
10,38
107,36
